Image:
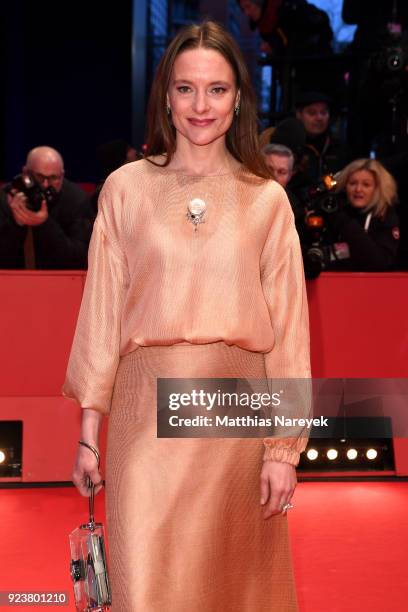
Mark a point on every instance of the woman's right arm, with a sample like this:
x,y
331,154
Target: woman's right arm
x,y
95,351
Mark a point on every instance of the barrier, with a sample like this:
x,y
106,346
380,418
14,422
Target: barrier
x,y
358,329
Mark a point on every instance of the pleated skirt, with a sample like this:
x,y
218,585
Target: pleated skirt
x,y
184,521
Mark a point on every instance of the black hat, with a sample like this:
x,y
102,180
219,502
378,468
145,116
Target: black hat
x,y
290,133
311,97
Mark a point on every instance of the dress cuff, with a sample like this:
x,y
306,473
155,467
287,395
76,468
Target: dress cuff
x,y
68,393
284,450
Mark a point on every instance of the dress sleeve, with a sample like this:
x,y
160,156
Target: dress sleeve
x,y
284,289
94,357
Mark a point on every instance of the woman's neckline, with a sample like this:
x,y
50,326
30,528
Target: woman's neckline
x,y
181,173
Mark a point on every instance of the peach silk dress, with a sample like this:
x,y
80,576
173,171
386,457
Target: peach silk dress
x,y
184,520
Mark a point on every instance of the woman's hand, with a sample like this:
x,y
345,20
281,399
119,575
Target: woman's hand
x,y
86,466
278,483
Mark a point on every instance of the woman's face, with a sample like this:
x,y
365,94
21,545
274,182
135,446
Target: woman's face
x,y
360,188
202,95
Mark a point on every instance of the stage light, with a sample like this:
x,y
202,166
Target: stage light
x,y
348,455
371,454
11,442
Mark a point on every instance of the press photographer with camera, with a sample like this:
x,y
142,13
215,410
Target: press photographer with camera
x,y
45,220
360,229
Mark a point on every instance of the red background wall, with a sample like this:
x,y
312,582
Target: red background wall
x,y
358,329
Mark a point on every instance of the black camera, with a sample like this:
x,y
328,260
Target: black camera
x,y
393,55
317,245
390,63
34,193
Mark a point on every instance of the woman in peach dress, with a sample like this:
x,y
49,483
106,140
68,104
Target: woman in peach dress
x,y
194,525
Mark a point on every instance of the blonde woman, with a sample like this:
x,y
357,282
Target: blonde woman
x,y
365,230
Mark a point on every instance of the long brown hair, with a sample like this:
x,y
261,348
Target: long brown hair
x,y
241,138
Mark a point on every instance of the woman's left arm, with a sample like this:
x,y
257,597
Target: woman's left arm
x,y
284,289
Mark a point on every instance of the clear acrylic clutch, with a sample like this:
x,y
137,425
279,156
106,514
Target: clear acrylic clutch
x,y
89,571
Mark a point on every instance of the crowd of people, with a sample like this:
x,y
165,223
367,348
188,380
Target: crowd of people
x,y
349,208
367,81
46,221
344,209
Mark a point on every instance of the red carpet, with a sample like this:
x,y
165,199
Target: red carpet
x,y
350,543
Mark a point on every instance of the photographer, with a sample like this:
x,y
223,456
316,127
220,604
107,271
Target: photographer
x,y
45,220
322,153
364,227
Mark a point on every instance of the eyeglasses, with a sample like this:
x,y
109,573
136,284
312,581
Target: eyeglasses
x,y
51,178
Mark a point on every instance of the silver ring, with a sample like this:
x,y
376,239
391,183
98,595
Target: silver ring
x,y
286,507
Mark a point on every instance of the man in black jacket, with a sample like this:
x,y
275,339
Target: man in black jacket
x,y
57,235
322,153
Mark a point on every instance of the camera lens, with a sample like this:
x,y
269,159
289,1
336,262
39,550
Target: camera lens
x,y
395,61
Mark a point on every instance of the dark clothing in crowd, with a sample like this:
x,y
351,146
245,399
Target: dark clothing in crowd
x,y
374,250
297,207
61,242
377,95
320,156
290,133
300,32
111,156
397,165
371,18
298,26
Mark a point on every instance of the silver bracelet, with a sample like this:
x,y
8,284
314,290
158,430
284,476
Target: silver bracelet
x,y
91,448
